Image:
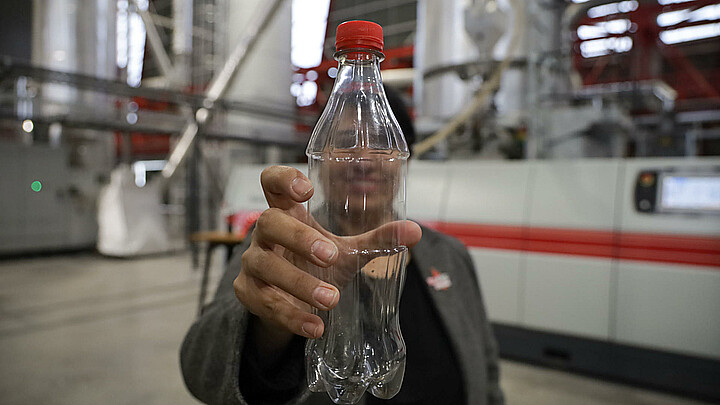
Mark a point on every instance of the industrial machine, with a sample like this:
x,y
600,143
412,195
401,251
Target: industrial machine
x,y
607,266
604,266
47,204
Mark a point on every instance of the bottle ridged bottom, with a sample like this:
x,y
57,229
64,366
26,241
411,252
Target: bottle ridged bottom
x,y
353,357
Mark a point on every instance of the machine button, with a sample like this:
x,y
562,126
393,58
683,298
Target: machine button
x,y
647,180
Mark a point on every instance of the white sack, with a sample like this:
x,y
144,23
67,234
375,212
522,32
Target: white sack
x,y
130,219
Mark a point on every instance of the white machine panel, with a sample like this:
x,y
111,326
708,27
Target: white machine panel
x,y
568,294
564,293
574,193
499,275
426,185
492,193
669,307
487,192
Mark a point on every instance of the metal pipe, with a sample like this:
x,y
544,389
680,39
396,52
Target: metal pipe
x,y
10,70
102,123
218,86
657,88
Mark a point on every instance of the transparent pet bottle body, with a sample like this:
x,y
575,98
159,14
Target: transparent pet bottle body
x,y
358,164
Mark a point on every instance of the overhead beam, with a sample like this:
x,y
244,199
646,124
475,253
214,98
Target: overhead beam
x,y
219,84
156,45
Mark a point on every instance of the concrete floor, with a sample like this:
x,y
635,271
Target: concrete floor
x,y
83,329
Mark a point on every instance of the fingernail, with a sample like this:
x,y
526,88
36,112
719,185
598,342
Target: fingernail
x,y
324,251
325,296
310,329
301,186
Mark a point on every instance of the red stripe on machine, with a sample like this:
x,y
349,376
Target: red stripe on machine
x,y
661,248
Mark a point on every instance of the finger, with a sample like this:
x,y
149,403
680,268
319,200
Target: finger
x,y
275,227
276,271
396,233
296,321
269,305
285,187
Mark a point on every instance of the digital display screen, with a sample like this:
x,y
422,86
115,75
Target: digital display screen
x,y
690,193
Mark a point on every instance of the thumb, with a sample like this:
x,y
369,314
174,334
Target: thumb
x,y
396,233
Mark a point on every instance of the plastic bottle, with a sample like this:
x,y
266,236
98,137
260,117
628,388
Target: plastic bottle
x,y
358,164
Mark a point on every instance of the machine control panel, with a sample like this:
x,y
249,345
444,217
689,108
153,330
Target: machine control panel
x,y
646,191
680,191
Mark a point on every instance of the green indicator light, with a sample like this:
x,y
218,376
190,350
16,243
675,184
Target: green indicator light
x,y
36,186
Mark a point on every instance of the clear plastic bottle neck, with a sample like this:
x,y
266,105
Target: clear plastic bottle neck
x,y
359,69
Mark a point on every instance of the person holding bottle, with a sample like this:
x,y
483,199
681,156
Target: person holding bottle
x,y
248,346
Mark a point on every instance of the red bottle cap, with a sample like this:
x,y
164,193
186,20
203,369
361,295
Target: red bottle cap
x,y
359,34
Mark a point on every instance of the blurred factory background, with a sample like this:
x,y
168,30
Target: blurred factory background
x,y
575,147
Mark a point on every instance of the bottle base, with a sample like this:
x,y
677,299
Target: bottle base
x,y
389,385
350,390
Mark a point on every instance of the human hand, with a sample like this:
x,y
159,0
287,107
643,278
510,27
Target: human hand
x,y
273,283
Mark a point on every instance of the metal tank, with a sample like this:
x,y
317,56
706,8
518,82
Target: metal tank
x,y
441,41
73,36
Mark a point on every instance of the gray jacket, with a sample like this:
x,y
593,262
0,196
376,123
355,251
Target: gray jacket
x,y
211,353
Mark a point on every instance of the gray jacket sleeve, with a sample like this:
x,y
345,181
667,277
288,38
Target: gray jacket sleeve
x,y
211,353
